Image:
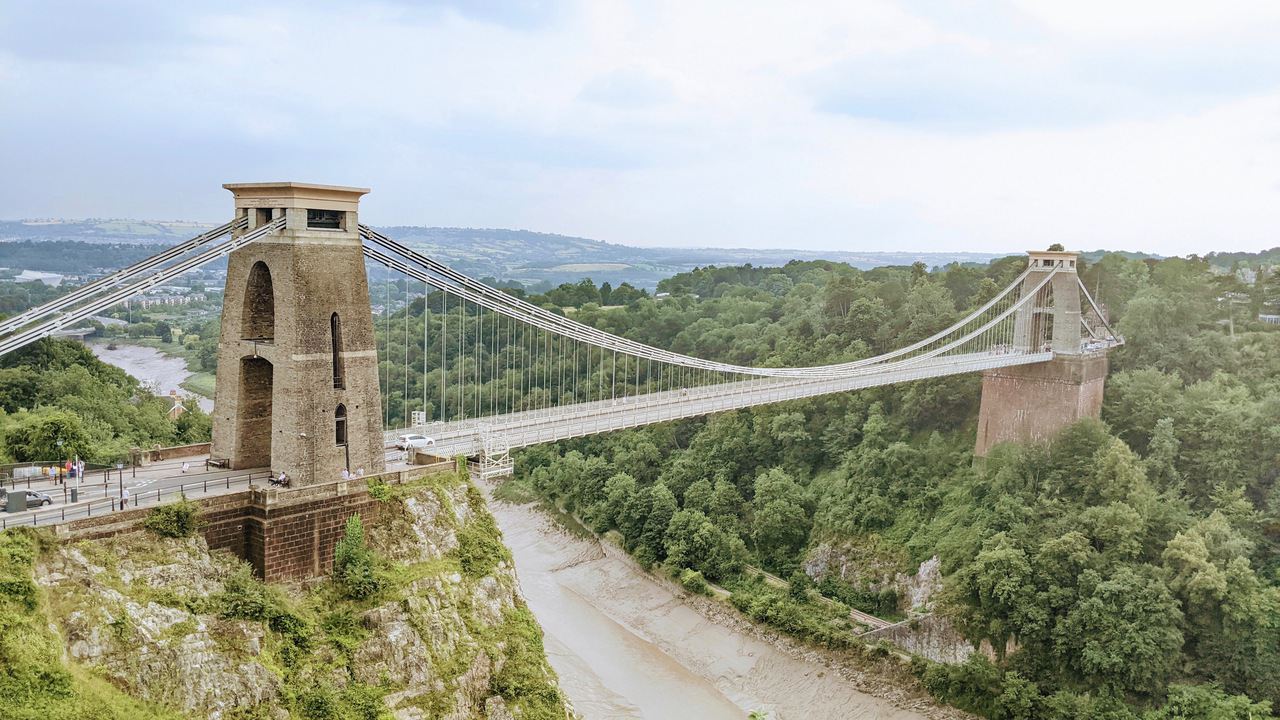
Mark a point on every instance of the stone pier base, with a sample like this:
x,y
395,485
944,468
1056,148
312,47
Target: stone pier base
x,y
1031,403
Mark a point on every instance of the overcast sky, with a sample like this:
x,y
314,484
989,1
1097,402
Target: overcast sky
x,y
852,124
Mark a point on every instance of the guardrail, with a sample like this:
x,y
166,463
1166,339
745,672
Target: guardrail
x,y
76,511
13,477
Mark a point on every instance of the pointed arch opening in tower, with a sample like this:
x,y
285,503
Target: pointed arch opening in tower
x,y
258,319
340,425
335,338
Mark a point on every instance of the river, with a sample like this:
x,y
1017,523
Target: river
x,y
626,645
156,370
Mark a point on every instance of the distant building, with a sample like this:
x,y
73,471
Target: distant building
x,y
1269,319
177,410
146,301
48,278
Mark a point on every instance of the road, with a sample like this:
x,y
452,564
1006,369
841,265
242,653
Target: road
x,y
150,485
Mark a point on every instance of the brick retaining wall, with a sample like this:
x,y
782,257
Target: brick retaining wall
x,y
285,534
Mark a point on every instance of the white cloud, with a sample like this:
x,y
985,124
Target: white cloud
x,y
1009,126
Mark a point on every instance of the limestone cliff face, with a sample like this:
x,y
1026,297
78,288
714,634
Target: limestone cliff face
x,y
927,634
189,631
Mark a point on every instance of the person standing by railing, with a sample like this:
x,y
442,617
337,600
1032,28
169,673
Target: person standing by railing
x,y
124,497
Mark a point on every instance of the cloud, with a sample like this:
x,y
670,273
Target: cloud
x,y
627,88
991,125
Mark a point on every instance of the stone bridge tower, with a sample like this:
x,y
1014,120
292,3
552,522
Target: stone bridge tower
x,y
297,386
1033,402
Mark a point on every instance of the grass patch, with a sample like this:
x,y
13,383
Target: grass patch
x,y
824,623
201,383
515,491
34,682
480,547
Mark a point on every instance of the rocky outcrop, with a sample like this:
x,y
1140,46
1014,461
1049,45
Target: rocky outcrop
x,y
169,622
926,634
110,603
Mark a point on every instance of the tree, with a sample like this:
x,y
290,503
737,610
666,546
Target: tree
x,y
725,505
1123,635
164,331
698,496
780,524
1162,458
661,510
353,564
991,596
693,541
47,435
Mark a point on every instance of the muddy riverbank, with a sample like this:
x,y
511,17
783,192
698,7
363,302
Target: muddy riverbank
x,y
162,373
628,645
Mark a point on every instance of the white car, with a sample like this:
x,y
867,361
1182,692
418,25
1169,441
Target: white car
x,y
413,441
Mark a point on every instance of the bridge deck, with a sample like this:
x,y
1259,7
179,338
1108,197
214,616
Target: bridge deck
x,y
522,429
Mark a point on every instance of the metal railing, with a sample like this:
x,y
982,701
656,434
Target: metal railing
x,y
101,506
523,429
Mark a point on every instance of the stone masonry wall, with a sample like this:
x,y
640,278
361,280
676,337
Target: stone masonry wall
x,y
285,534
1033,402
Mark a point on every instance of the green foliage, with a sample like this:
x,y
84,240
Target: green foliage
x,y
1116,562
379,490
824,623
35,435
524,679
882,603
176,520
694,582
35,684
354,568
480,549
57,389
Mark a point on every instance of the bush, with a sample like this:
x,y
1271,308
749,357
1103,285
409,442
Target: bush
x,y
693,581
318,704
881,603
480,547
379,490
353,564
176,520
523,678
244,597
798,586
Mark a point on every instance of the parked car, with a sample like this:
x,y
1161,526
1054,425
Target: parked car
x,y
414,441
34,499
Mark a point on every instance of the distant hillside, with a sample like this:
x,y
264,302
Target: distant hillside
x,y
523,256
101,231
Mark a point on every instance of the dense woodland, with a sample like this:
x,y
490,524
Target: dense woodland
x,y
1130,566
1127,569
56,390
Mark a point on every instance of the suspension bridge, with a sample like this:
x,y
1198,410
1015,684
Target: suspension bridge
x,y
305,386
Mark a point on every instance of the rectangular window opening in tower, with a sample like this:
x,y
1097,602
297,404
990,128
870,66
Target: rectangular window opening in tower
x,y
324,219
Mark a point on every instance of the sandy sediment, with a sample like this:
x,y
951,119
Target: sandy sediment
x,y
629,645
162,373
